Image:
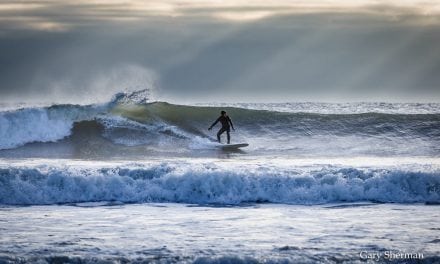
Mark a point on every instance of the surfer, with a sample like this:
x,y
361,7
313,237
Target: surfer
x,y
225,121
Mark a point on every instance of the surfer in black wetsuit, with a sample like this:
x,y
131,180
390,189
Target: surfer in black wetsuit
x,y
225,121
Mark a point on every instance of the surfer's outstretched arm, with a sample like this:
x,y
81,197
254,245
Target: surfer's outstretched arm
x,y
213,124
230,122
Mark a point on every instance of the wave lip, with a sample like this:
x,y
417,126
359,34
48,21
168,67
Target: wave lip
x,y
29,125
47,124
211,184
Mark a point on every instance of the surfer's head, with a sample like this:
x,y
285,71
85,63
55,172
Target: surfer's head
x,y
223,113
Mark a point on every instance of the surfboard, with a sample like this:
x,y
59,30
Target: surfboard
x,y
232,146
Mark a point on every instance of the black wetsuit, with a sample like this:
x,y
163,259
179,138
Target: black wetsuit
x,y
225,121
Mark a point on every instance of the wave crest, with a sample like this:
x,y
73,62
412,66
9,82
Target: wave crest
x,y
48,124
131,120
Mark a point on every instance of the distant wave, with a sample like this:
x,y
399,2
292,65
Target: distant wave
x,y
337,108
208,183
131,120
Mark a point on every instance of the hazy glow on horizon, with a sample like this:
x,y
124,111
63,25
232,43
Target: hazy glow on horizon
x,y
54,15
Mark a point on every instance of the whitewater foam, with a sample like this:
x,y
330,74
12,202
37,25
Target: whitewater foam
x,y
203,182
29,125
127,132
48,124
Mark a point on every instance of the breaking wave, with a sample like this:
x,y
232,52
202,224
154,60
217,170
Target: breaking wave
x,y
210,183
131,120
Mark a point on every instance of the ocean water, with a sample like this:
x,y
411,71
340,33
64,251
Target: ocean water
x,y
135,181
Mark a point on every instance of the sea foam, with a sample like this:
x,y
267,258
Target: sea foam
x,y
210,183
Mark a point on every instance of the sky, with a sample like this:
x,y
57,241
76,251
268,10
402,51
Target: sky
x,y
85,51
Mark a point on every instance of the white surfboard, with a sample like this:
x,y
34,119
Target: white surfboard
x,y
232,146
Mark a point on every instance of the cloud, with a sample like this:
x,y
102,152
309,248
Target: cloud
x,y
58,15
85,51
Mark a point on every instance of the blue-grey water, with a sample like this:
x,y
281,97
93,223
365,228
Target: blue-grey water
x,y
134,181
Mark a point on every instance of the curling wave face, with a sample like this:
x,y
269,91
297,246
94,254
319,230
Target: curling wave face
x,y
44,124
130,126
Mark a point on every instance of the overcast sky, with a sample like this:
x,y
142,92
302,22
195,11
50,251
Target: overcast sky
x,y
197,51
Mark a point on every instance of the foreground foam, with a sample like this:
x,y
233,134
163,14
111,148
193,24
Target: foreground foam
x,y
209,183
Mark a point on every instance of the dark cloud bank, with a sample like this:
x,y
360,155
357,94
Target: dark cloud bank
x,y
289,57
